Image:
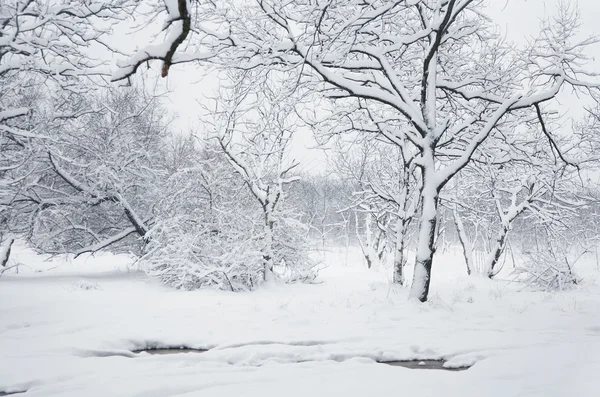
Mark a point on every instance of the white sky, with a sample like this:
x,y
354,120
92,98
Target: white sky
x,y
518,19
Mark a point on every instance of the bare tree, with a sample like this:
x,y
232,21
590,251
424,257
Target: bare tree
x,y
254,129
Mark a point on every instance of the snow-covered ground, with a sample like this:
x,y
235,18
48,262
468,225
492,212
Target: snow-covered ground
x,y
69,330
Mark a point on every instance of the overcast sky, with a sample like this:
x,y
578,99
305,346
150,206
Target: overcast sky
x,y
519,20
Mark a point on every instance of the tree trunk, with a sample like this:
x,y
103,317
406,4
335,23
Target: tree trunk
x,y
426,244
5,251
464,242
366,247
268,249
380,246
399,258
369,242
494,255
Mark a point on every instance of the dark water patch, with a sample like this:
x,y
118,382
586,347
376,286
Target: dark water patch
x,y
169,350
422,364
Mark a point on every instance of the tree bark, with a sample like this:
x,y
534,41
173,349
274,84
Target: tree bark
x,y
464,242
494,255
426,244
268,249
5,251
369,243
366,246
399,258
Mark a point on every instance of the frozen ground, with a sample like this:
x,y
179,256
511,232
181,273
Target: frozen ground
x,y
69,330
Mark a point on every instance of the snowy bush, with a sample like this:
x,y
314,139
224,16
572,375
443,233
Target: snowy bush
x,y
209,233
187,254
290,248
548,269
198,239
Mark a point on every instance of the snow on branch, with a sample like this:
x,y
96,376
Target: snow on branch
x,y
131,214
178,25
107,242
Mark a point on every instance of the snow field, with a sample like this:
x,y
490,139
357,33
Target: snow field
x,y
69,331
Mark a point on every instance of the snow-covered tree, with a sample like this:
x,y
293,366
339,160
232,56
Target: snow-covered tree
x,y
516,181
91,182
502,197
254,129
228,224
45,45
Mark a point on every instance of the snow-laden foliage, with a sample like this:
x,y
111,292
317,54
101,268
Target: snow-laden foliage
x,y
210,233
200,238
46,47
48,41
549,269
92,182
188,252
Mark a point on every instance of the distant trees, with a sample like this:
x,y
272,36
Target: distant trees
x,y
323,202
386,187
